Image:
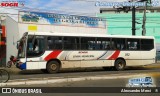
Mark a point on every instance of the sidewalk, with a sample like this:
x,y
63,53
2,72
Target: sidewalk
x,y
156,65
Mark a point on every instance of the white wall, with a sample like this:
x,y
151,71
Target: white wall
x,y
65,29
12,36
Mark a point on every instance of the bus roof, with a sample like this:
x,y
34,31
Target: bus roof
x,y
86,35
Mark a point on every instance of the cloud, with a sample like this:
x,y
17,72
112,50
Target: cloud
x,y
82,7
70,6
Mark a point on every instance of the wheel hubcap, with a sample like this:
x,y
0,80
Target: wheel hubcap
x,y
120,65
53,66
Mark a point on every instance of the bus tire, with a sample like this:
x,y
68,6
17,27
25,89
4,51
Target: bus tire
x,y
53,67
120,64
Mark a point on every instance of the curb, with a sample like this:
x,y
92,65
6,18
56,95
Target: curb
x,y
67,79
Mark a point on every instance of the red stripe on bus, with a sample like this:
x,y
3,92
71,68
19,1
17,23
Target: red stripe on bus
x,y
52,55
115,55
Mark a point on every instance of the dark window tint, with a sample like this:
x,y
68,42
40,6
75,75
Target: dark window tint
x,y
54,43
103,44
133,44
147,44
71,43
118,44
88,43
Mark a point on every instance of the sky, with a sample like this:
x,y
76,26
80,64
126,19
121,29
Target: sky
x,y
84,7
78,7
75,6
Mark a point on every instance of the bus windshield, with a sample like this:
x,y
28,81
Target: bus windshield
x,y
35,45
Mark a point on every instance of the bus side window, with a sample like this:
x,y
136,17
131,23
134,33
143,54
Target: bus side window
x,y
147,44
88,43
108,47
103,43
54,43
118,44
50,44
133,44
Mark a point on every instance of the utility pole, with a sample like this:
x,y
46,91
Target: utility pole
x,y
144,21
144,16
133,20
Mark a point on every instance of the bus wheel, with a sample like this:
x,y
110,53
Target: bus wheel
x,y
53,67
120,64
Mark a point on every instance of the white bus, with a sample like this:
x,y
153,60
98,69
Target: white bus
x,y
55,51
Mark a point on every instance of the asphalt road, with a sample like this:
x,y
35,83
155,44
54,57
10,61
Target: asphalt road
x,y
91,84
121,82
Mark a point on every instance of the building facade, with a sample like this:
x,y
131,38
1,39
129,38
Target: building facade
x,y
2,40
120,22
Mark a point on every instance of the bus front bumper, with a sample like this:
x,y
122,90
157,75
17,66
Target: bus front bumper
x,y
21,65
